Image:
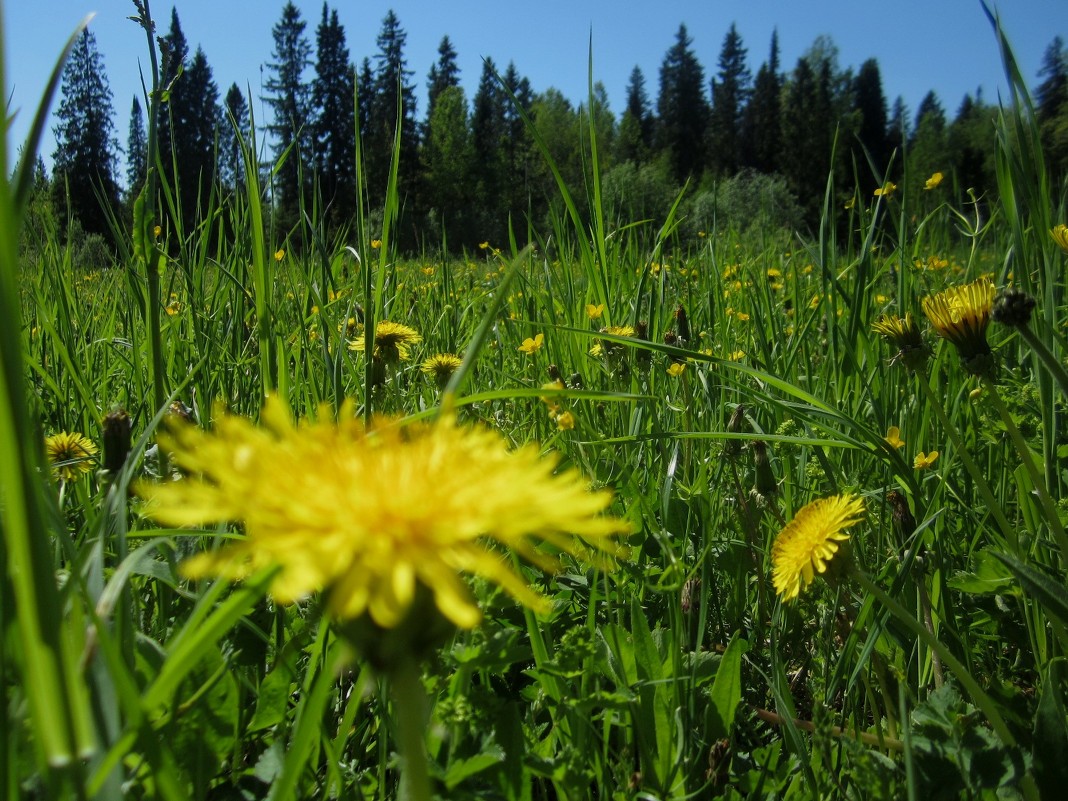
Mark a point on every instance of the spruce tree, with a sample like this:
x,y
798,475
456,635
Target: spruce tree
x,y
805,157
635,139
365,92
1051,105
682,109
730,93
518,157
231,160
929,144
136,151
761,121
447,161
175,53
488,129
869,103
288,99
84,159
393,94
332,102
443,74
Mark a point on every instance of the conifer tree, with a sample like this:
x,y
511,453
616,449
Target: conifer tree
x,y
869,103
84,159
761,121
394,95
365,92
897,134
447,161
332,102
518,157
1051,106
136,150
443,74
488,129
730,93
288,99
231,160
805,156
928,145
175,53
682,109
970,140
635,139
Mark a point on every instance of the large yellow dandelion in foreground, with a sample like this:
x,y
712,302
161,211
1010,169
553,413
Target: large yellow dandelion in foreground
x,y
808,542
371,517
71,455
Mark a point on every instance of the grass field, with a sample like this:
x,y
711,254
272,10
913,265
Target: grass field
x,y
717,419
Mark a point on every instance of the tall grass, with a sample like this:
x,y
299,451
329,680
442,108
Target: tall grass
x,y
750,383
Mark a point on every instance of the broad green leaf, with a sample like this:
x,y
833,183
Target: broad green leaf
x,y
727,688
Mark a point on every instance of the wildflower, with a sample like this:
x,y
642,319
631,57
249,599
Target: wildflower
x,y
393,342
376,244
565,421
737,356
961,314
1060,236
604,347
173,308
428,270
933,181
905,336
441,366
808,543
850,203
378,518
676,369
594,312
886,189
156,231
279,254
483,245
924,460
532,346
893,437
71,455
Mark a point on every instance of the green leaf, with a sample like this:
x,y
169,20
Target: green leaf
x,y
727,688
465,768
1050,593
1050,753
987,577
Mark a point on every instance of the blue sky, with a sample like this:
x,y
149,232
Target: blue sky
x,y
944,45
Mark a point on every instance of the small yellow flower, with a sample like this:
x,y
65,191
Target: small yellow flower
x,y
376,244
737,356
71,455
886,189
808,543
850,203
532,346
933,181
376,518
393,341
428,270
1060,236
173,308
676,369
565,421
893,436
279,254
441,366
594,312
156,231
483,245
924,460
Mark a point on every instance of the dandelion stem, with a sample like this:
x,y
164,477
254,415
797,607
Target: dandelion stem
x,y
1047,358
981,699
410,708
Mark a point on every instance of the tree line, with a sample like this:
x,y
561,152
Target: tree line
x,y
469,170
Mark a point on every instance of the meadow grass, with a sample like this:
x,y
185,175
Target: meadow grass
x,y
741,381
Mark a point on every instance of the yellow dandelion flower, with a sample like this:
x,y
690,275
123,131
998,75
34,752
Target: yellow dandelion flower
x,y
675,369
808,543
933,181
377,518
279,254
565,421
606,347
393,341
532,346
961,314
441,366
71,455
924,460
1060,236
903,333
893,436
593,311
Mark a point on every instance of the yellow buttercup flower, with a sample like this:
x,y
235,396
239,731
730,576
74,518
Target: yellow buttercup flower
x,y
565,421
675,369
393,341
886,189
933,181
594,312
532,346
375,518
893,437
376,244
961,314
925,460
1060,236
71,455
279,254
808,543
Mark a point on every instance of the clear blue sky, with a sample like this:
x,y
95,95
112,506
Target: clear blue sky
x,y
944,45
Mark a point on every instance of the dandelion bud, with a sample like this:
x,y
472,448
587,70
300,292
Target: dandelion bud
x,y
682,324
1013,307
765,484
117,427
